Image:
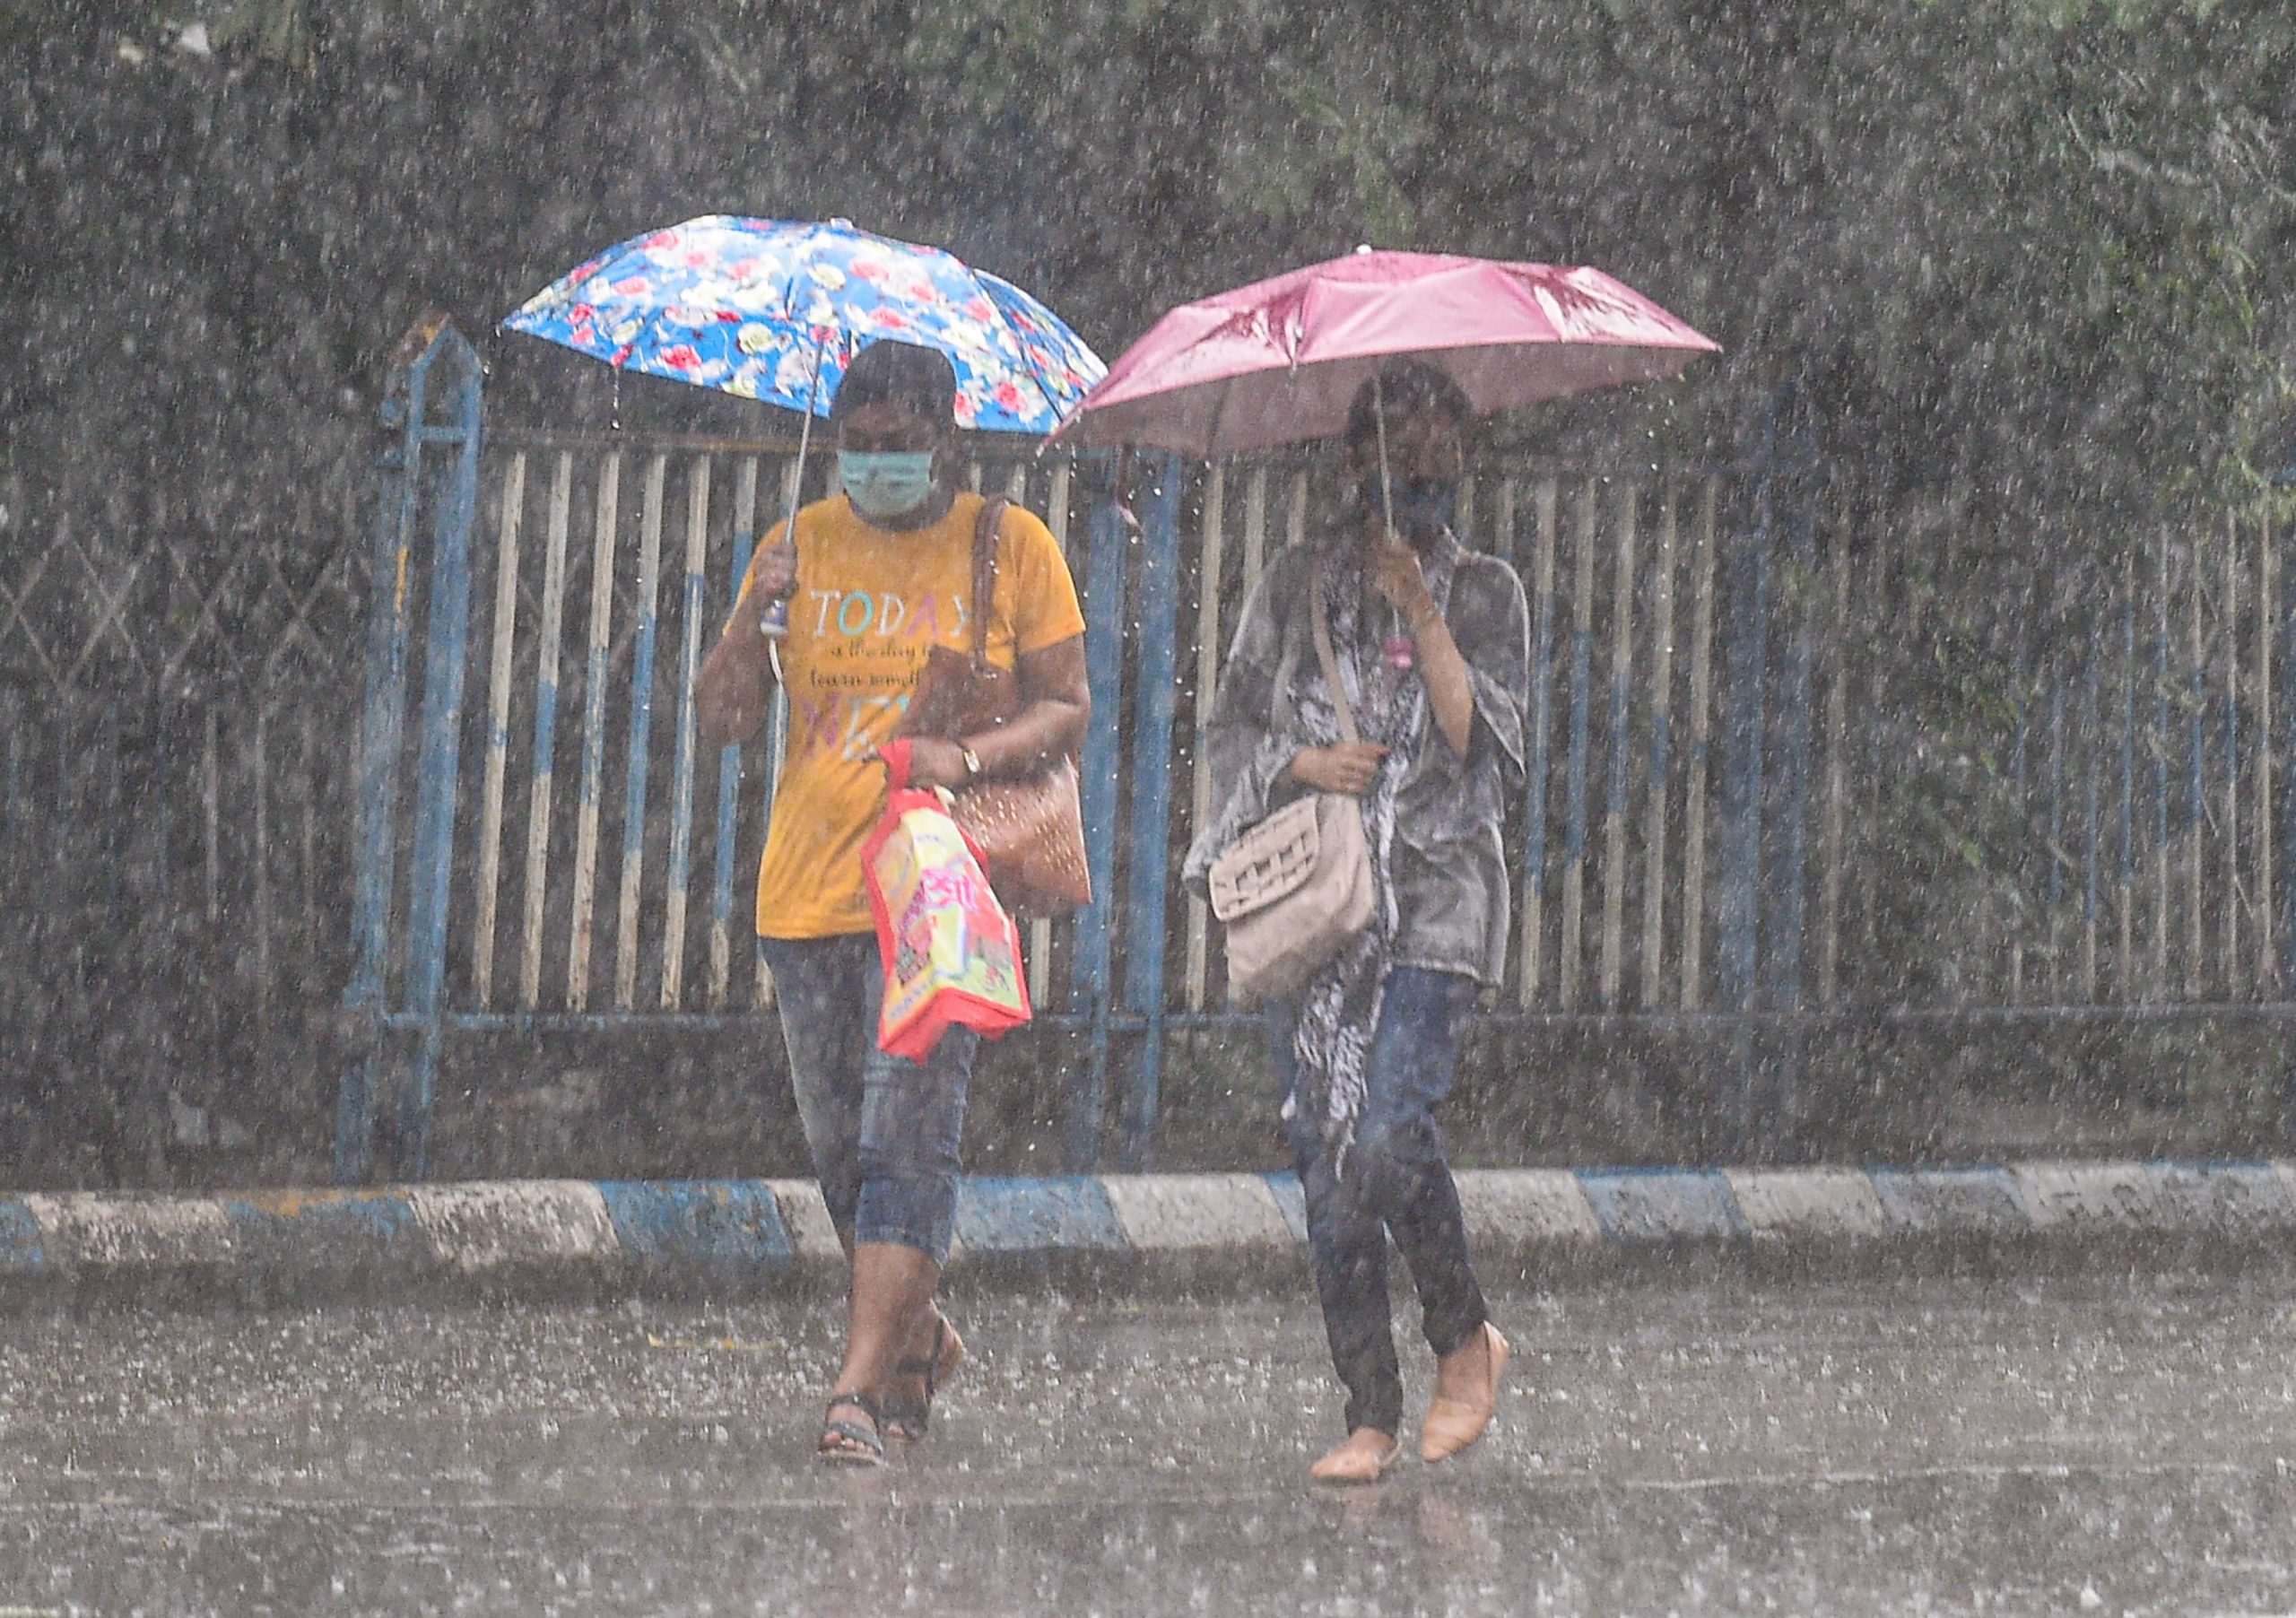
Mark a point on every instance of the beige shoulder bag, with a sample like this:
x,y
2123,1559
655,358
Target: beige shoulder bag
x,y
1294,890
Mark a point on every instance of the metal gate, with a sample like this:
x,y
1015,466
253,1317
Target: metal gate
x,y
1721,836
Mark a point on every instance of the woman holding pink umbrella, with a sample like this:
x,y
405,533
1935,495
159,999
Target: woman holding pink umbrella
x,y
1383,662
1431,643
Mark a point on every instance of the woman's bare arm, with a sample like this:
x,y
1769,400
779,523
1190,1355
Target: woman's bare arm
x,y
735,686
1444,669
1450,695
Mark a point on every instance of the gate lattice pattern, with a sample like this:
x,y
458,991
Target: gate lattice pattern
x,y
178,691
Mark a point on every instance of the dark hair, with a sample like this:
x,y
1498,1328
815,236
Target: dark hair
x,y
899,373
1405,385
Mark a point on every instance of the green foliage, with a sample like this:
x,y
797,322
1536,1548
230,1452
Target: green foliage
x,y
1983,229
275,31
2033,257
1362,137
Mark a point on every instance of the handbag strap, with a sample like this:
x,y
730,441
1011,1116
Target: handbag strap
x,y
1330,663
985,535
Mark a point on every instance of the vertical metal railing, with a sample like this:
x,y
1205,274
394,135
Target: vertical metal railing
x,y
729,767
1623,617
1154,620
1212,555
1661,752
1104,578
544,754
498,725
1571,958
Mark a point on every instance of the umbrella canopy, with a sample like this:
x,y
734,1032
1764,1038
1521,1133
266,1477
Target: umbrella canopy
x,y
1278,360
755,306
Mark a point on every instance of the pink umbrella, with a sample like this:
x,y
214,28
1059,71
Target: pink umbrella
x,y
1278,360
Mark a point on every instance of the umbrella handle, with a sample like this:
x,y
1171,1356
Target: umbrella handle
x,y
1120,491
1379,422
773,623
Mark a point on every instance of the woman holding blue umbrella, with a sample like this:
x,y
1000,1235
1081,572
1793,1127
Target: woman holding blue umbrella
x,y
879,573
908,345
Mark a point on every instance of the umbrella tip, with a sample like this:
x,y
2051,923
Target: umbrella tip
x,y
1362,247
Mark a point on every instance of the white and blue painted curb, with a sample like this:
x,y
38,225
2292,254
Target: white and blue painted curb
x,y
630,1232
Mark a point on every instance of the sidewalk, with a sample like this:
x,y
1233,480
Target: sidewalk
x,y
595,1236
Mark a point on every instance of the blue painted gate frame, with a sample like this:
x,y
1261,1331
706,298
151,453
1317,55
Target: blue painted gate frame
x,y
427,542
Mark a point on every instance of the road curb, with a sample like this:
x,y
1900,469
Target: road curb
x,y
610,1235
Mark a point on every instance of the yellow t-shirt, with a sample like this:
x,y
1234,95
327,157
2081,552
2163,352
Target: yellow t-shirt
x,y
869,602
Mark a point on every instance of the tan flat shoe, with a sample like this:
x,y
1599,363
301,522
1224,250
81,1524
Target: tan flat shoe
x,y
1452,1424
1360,1460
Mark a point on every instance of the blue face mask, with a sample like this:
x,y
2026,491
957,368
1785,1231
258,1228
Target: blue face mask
x,y
886,483
1423,506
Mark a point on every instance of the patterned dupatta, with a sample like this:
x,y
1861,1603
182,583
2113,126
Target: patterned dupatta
x,y
1339,1010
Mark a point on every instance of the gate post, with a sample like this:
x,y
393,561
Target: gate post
x,y
407,410
1786,857
2280,534
1153,700
1107,537
1738,923
1766,769
382,716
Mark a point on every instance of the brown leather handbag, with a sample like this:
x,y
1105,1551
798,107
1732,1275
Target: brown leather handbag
x,y
1029,827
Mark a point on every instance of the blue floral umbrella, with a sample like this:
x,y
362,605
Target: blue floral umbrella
x,y
774,309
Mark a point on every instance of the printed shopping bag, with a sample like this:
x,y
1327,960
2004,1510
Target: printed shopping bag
x,y
951,954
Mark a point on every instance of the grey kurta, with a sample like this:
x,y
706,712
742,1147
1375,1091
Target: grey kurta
x,y
1450,868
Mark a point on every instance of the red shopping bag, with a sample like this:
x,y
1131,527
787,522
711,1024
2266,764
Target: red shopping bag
x,y
951,954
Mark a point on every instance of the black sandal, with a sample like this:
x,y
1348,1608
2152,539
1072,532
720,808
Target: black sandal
x,y
848,1443
907,1418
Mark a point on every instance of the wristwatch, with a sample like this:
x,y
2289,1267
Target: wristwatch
x,y
972,761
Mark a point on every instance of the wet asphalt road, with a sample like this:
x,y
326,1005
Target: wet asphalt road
x,y
2075,1446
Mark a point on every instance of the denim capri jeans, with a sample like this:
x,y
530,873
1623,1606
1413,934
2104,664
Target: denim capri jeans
x,y
884,1131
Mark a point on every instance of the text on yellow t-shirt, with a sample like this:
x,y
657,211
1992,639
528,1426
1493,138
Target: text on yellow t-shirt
x,y
869,603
